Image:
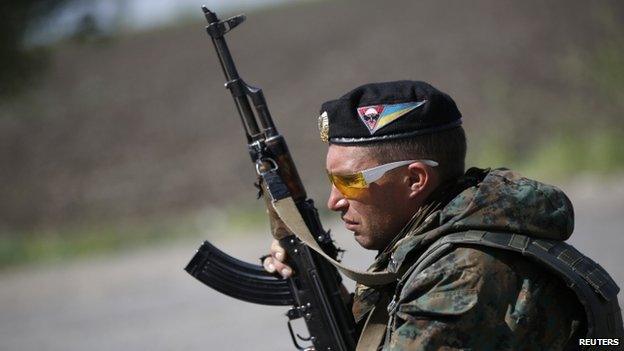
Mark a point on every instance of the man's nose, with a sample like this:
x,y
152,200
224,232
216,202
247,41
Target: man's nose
x,y
337,201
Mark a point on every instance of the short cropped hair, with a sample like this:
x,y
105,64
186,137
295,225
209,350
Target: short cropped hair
x,y
448,148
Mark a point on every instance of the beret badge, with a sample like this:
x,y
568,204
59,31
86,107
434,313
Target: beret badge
x,y
323,126
376,117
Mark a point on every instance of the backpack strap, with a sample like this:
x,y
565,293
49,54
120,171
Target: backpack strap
x,y
593,286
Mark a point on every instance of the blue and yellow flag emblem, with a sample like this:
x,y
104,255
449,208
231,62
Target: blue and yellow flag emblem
x,y
376,117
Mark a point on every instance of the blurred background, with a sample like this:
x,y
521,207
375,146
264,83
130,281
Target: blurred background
x,y
120,150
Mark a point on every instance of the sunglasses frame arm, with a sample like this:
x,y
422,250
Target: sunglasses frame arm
x,y
373,174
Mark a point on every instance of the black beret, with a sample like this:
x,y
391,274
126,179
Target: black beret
x,y
383,111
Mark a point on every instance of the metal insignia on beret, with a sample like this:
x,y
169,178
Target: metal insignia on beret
x,y
323,126
376,117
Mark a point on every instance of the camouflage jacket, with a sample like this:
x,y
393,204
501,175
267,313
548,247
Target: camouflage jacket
x,y
474,297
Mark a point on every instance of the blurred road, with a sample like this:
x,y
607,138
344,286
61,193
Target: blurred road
x,y
144,301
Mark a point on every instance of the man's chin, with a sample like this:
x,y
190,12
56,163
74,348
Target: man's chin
x,y
364,241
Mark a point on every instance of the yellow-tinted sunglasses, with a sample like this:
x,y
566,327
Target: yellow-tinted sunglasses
x,y
351,185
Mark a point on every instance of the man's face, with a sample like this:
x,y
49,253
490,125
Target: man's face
x,y
382,209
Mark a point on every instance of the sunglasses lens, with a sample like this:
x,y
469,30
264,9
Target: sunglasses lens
x,y
349,185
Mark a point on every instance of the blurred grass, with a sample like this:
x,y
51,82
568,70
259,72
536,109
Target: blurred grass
x,y
76,241
564,156
561,157
69,242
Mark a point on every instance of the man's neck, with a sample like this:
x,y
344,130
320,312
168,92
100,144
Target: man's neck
x,y
444,193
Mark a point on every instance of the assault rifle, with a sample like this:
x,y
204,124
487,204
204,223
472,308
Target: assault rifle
x,y
314,292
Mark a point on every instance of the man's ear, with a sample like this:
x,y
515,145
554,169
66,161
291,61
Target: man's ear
x,y
421,180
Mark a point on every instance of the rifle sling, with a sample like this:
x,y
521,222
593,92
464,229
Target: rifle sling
x,y
289,214
375,326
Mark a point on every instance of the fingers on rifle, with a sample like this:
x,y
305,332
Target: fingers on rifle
x,y
275,263
286,272
268,264
278,251
281,268
272,265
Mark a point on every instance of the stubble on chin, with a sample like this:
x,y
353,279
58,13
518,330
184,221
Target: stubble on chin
x,y
370,241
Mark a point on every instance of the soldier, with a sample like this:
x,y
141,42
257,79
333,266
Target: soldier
x,y
479,253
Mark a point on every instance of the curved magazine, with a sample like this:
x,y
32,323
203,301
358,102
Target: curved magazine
x,y
238,279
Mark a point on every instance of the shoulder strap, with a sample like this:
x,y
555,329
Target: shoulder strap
x,y
593,286
375,327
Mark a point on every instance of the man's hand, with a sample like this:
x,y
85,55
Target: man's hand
x,y
275,262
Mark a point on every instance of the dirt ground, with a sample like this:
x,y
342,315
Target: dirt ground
x,y
145,301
